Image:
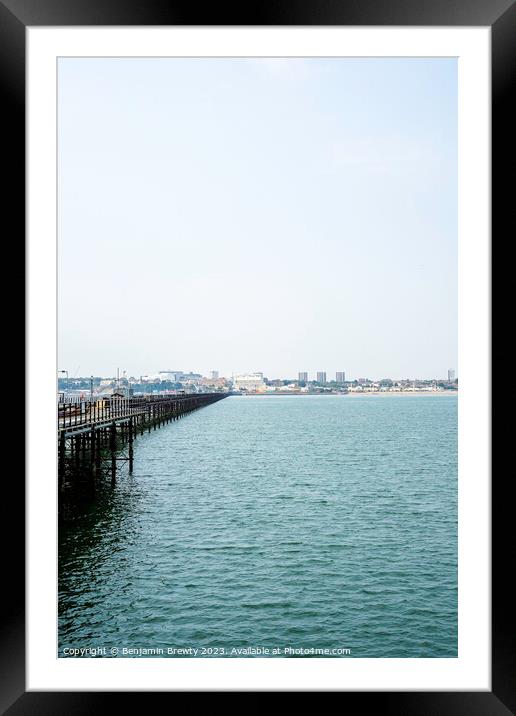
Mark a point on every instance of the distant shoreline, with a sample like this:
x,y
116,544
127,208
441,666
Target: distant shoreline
x,y
383,393
407,392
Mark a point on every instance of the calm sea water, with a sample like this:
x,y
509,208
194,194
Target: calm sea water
x,y
325,522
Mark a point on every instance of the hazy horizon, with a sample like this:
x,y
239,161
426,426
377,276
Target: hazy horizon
x,y
330,377
272,215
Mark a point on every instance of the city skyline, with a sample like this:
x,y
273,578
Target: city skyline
x,y
170,382
449,375
245,214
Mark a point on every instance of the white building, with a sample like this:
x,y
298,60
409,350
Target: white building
x,y
248,381
167,375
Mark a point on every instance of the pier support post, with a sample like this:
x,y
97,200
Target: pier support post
x,y
93,455
77,441
112,447
62,453
98,444
131,457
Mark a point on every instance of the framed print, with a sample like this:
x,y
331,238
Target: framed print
x,y
293,207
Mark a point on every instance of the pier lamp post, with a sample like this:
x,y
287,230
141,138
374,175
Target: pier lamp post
x,y
91,386
65,371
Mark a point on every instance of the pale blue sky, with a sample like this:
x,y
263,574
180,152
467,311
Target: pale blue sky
x,y
278,215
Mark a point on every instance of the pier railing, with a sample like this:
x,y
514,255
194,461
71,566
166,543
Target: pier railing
x,y
94,411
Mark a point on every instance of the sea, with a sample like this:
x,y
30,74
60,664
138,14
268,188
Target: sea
x,y
272,527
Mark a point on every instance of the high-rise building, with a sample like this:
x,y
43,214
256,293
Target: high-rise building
x,y
321,377
451,375
214,374
303,377
340,377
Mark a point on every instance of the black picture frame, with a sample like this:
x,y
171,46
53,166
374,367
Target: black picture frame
x,y
15,16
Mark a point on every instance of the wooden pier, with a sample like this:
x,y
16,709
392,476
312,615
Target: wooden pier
x,y
96,435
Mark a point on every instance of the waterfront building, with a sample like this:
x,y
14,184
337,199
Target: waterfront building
x,y
190,378
451,375
340,377
303,377
214,374
113,392
168,375
249,381
321,376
